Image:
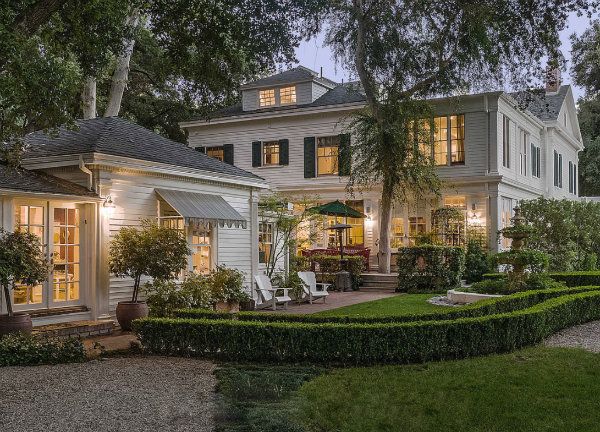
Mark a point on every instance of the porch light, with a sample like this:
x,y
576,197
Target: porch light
x,y
474,219
108,207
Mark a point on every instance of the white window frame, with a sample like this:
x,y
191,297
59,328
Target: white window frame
x,y
263,98
536,161
505,141
524,146
331,139
448,140
292,95
272,144
265,232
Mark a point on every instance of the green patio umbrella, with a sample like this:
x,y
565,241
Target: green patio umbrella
x,y
337,208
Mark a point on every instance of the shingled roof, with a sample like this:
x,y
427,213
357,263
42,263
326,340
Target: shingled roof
x,y
119,137
291,76
545,106
19,179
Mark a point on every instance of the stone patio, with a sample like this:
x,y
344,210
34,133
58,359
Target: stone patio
x,y
334,300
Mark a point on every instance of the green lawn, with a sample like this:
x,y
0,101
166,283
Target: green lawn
x,y
538,389
403,304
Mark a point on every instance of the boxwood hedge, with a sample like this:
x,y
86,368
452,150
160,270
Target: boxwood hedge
x,y
361,343
27,350
570,279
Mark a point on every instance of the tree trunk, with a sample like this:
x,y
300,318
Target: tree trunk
x,y
88,98
9,308
385,218
136,288
121,73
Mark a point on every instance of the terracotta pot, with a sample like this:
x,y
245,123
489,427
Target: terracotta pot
x,y
19,322
232,307
128,311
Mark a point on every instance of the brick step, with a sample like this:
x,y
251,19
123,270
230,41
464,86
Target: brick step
x,y
76,329
378,289
379,285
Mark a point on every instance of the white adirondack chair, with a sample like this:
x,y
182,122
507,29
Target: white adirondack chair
x,y
309,284
268,293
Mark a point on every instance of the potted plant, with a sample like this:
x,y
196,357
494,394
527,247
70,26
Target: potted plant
x,y
152,250
228,289
22,260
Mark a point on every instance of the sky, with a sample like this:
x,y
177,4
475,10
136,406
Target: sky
x,y
314,55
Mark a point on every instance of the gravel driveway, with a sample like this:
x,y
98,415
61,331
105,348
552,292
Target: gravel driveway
x,y
119,394
586,336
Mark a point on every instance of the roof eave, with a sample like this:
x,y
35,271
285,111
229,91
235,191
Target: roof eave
x,y
49,195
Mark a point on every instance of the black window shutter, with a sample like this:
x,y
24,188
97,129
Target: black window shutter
x,y
256,153
228,153
284,152
344,156
200,149
309,157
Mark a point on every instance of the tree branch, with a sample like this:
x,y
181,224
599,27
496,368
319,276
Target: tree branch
x,y
360,58
37,14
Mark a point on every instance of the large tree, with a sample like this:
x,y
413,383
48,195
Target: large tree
x,y
404,52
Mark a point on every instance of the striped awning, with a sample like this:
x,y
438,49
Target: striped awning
x,y
202,208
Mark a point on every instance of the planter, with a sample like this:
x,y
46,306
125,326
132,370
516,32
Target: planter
x,y
232,307
128,311
18,323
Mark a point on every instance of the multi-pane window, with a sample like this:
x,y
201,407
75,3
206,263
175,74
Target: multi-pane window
x,y
536,159
397,232
200,246
523,148
328,149
265,241
449,140
266,98
287,95
506,219
558,169
456,201
30,219
271,153
66,254
356,234
575,179
215,152
416,227
505,142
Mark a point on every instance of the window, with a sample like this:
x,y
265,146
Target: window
x,y
456,202
416,226
328,149
287,95
266,98
216,152
265,241
30,219
66,254
440,141
506,142
271,153
457,139
506,214
356,234
449,140
572,178
200,246
535,161
575,179
524,136
557,169
397,232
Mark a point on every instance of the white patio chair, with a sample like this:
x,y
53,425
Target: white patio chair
x,y
310,286
268,293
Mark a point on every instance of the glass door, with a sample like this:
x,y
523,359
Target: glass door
x,y
65,259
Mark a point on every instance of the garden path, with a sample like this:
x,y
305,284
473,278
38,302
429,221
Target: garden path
x,y
115,394
586,336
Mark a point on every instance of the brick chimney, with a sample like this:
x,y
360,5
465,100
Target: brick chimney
x,y
552,79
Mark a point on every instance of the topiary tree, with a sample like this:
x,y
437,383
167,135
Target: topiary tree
x,y
22,260
152,250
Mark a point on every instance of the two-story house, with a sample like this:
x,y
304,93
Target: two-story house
x,y
492,150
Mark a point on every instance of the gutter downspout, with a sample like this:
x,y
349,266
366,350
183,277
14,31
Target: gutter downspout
x,y
86,170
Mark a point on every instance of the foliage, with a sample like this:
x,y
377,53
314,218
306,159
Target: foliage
x,y
521,391
430,268
516,231
22,260
329,265
27,350
287,225
533,260
569,231
407,342
502,286
291,281
427,238
227,285
163,297
570,279
152,250
477,262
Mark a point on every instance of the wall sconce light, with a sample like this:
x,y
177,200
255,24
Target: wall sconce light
x,y
108,207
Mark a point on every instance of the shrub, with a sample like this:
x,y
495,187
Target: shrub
x,y
366,343
25,350
163,297
501,286
430,268
477,262
227,285
570,279
330,264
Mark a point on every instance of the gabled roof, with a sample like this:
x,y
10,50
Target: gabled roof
x,y
119,137
291,76
341,94
20,179
545,106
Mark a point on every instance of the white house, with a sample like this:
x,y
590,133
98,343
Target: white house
x,y
80,187
493,149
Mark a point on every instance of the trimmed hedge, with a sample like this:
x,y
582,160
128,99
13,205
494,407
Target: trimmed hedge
x,y
430,268
356,344
570,279
28,350
486,307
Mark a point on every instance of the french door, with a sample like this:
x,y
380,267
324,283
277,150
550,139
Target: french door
x,y
58,228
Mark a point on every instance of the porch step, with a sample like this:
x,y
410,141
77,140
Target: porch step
x,y
81,329
379,282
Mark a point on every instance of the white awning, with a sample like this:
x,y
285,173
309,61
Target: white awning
x,y
202,208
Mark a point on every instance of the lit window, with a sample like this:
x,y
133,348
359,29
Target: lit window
x,y
287,95
356,234
440,141
271,153
200,246
457,139
456,202
66,254
30,219
266,98
416,227
265,241
328,149
215,152
397,232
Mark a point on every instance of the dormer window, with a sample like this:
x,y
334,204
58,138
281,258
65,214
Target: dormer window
x,y
287,95
266,98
